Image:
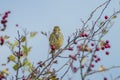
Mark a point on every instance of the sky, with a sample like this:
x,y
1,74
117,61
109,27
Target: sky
x,y
43,15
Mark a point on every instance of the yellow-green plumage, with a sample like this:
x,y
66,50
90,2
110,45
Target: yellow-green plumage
x,y
56,38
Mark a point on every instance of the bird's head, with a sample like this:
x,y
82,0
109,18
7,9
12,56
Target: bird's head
x,y
56,29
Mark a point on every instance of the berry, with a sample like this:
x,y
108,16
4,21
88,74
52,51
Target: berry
x,y
92,65
98,59
79,47
21,54
1,40
107,53
85,35
75,69
9,12
82,66
97,49
106,17
107,41
3,21
95,56
17,25
102,48
70,48
4,25
52,47
92,44
105,78
4,17
107,45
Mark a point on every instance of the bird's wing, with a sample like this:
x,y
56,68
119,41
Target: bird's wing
x,y
52,38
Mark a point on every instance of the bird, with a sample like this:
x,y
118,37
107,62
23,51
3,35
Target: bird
x,y
56,39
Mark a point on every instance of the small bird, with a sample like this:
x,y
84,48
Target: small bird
x,y
56,39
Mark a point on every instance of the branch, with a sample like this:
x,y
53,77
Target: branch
x,y
18,56
99,71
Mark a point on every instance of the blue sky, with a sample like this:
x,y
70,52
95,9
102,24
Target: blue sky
x,y
42,15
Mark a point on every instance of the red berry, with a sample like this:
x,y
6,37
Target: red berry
x,y
97,49
6,13
3,21
82,35
21,54
95,56
9,12
106,17
1,40
82,66
92,44
107,45
98,59
105,78
70,48
75,69
52,47
4,17
4,25
107,41
92,65
17,25
85,35
102,48
79,47
107,53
